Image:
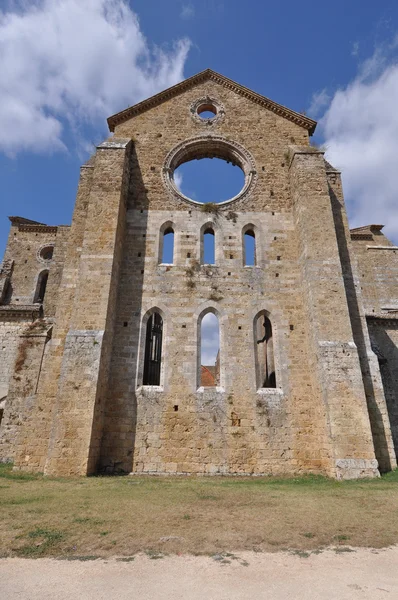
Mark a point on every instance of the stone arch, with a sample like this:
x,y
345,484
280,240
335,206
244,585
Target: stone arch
x,y
264,351
145,318
166,228
209,146
206,308
214,227
249,230
41,286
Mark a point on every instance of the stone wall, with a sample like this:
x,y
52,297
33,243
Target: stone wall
x,y
25,243
86,406
384,338
21,393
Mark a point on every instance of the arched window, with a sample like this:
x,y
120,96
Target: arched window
x,y
264,351
153,350
208,246
168,246
249,246
41,287
209,350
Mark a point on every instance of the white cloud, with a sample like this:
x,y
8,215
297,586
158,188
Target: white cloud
x,y
360,128
355,49
178,178
68,62
318,102
210,340
187,11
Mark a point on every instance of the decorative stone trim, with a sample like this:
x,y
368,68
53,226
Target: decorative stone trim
x,y
45,261
207,103
382,247
210,75
22,310
361,236
39,228
209,146
114,145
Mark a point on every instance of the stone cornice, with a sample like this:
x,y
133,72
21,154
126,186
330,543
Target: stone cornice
x,y
39,228
361,236
391,315
210,75
22,310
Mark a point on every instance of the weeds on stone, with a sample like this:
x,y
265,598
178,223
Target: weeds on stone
x,y
210,207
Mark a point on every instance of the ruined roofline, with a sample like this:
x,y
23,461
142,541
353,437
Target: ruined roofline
x,y
29,225
23,221
205,75
372,227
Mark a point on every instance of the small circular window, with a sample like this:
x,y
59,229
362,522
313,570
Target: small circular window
x,y
207,111
47,252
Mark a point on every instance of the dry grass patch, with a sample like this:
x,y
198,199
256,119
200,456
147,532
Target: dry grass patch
x,y
105,516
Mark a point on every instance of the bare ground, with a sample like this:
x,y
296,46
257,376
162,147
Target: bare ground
x,y
362,574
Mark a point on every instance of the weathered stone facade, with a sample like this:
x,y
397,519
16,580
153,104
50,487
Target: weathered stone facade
x,y
74,378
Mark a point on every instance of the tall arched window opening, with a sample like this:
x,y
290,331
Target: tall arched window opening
x,y
209,351
168,246
209,247
41,287
153,350
249,250
264,351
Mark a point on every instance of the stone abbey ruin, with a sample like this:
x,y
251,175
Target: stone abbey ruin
x,y
100,339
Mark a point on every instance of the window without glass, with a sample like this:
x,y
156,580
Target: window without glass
x,y
41,287
153,350
46,253
249,241
209,247
209,350
264,351
168,246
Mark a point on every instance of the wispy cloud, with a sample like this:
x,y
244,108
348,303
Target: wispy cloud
x,y
67,63
178,178
360,129
187,11
319,101
355,49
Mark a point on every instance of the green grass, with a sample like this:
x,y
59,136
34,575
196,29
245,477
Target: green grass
x,y
87,518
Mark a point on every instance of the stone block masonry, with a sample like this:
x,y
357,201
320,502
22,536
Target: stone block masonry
x,y
83,401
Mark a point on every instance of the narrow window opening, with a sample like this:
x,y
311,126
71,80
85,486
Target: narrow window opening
x,y
168,246
209,247
175,407
210,351
41,287
264,352
153,350
250,248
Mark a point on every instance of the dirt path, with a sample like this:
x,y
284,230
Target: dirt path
x,y
363,574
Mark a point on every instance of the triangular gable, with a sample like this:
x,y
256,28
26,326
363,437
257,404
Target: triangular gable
x,y
207,75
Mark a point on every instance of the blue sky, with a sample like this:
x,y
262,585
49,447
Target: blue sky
x,y
338,62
